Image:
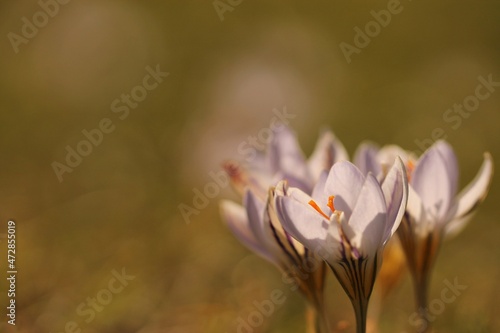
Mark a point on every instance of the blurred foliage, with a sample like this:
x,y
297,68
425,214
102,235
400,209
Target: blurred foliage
x,y
119,207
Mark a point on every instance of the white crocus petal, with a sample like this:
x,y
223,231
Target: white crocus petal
x,y
470,197
450,160
431,182
344,182
301,221
369,216
237,221
328,151
395,189
365,158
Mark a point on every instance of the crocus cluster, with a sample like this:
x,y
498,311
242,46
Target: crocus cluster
x,y
328,211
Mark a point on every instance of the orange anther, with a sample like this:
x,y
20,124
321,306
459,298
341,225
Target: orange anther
x,y
318,209
330,202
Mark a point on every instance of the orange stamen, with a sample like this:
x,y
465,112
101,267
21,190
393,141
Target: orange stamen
x,y
409,167
330,202
318,209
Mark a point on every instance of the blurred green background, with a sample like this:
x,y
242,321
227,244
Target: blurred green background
x,y
119,207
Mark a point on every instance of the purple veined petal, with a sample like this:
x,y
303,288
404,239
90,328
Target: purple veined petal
x,y
286,155
470,197
451,163
344,182
369,216
366,158
327,152
431,182
395,189
301,221
237,221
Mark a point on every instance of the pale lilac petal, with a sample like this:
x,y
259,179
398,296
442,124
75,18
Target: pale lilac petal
x,y
453,228
414,207
286,156
431,182
330,249
423,222
395,189
285,244
470,197
292,180
450,160
259,163
319,195
369,216
237,221
328,151
301,221
344,182
366,159
255,208
388,155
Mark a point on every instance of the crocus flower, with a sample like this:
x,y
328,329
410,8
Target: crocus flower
x,y
347,221
255,223
434,211
284,159
369,157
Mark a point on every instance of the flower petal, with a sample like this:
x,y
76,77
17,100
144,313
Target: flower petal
x,y
255,208
288,245
395,189
237,221
292,181
319,195
369,216
344,182
328,151
450,160
431,182
286,156
365,158
388,155
470,197
300,220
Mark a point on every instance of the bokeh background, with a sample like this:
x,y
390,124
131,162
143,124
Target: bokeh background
x,y
119,207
